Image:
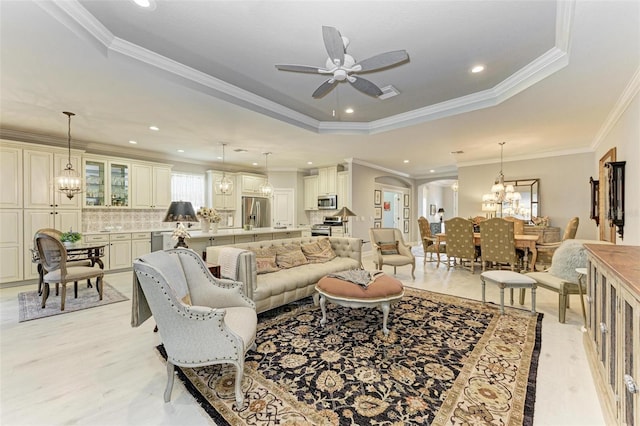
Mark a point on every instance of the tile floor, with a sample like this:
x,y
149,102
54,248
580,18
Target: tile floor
x,y
92,368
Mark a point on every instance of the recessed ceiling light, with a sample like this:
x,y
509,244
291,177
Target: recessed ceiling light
x,y
349,110
309,162
255,164
405,161
181,150
154,128
432,171
133,142
142,3
478,68
219,158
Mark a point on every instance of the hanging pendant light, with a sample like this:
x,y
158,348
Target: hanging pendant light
x,y
69,182
224,185
266,189
501,193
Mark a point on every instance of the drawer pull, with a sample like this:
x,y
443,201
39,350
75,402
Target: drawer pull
x,y
603,328
630,384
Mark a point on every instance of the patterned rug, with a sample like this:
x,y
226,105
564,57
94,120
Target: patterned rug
x,y
29,302
447,360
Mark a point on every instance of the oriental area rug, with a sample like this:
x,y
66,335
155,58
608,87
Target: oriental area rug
x,y
446,360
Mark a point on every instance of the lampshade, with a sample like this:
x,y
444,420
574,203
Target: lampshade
x,y
441,211
344,213
180,211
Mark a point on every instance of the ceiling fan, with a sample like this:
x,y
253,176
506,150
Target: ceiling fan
x,y
341,66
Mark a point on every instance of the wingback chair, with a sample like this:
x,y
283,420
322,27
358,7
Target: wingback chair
x,y
53,257
546,250
390,249
202,320
428,240
497,242
460,244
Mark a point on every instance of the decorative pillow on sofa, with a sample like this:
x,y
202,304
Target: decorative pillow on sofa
x,y
318,251
266,260
388,247
290,255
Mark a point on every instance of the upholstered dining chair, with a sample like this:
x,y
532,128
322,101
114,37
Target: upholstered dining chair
x,y
546,250
53,256
460,244
497,242
390,249
428,240
202,320
518,229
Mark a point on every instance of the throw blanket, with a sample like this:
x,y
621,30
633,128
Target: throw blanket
x,y
357,276
228,260
140,310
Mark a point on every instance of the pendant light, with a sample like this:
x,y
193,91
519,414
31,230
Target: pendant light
x,y
224,185
69,182
266,189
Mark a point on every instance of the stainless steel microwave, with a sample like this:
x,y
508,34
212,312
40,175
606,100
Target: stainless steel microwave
x,y
327,202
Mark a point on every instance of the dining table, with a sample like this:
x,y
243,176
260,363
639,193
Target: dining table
x,y
525,242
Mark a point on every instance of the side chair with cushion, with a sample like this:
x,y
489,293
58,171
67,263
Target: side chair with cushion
x,y
497,242
460,244
202,320
546,250
53,256
390,249
428,240
518,229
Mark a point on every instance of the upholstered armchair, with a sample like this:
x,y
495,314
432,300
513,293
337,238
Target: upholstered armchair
x,y
497,242
460,244
546,250
428,240
390,249
202,320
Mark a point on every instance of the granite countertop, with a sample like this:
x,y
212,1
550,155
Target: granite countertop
x,y
196,233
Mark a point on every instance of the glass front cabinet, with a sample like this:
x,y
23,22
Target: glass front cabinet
x,y
107,183
612,341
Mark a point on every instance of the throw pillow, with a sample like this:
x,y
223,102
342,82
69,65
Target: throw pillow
x,y
388,247
289,256
266,260
570,255
318,251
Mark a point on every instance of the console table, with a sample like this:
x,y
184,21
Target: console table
x,y
546,234
612,341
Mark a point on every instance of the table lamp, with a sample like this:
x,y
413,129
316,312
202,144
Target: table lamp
x,y
441,213
344,213
180,211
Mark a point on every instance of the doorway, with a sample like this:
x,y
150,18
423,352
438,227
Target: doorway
x,y
391,209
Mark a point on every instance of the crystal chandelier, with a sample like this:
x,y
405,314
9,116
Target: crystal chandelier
x,y
266,189
69,182
224,185
501,193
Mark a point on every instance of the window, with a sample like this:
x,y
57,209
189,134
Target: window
x,y
188,187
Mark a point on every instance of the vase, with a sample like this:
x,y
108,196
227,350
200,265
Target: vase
x,y
205,225
214,227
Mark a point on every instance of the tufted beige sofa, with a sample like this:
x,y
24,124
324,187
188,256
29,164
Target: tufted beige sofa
x,y
275,289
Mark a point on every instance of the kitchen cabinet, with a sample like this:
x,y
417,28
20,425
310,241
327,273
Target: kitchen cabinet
x,y
11,177
612,341
251,184
311,193
40,168
253,237
150,186
140,244
117,250
11,251
327,180
107,183
342,189
217,199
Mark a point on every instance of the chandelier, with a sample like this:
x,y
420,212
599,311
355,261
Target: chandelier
x,y
224,185
69,182
500,193
266,189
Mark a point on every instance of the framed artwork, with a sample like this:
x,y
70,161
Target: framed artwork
x,y
377,224
387,206
406,226
432,209
406,213
377,197
606,229
377,212
406,200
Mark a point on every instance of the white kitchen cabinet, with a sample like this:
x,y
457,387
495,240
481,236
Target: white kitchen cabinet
x,y
150,186
327,180
342,189
11,177
311,193
251,184
140,244
11,251
101,238
40,169
217,199
120,251
107,182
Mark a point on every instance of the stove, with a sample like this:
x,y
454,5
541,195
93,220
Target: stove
x,y
325,228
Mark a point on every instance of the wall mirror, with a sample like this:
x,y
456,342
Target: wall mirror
x,y
529,203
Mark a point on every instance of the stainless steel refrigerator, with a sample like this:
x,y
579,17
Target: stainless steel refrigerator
x,y
256,212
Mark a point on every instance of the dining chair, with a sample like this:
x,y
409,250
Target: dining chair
x,y
390,249
428,240
546,250
460,244
518,229
53,256
497,243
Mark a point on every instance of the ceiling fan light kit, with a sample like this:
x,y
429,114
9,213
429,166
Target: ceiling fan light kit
x,y
343,67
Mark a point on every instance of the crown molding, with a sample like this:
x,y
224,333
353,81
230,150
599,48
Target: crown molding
x,y
377,167
527,157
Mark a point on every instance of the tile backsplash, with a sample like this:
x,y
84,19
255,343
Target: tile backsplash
x,y
130,220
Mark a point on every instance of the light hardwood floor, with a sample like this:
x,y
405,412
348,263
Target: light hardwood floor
x,y
92,368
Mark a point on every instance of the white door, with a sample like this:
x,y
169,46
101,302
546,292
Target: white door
x,y
283,207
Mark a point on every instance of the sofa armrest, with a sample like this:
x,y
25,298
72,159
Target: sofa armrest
x,y
247,273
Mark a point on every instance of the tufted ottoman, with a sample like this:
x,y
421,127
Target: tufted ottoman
x,y
381,293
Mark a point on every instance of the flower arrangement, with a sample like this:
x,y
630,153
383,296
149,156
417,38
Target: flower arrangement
x,y
70,237
209,214
180,233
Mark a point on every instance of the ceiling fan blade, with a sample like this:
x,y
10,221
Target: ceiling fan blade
x,y
325,88
383,60
365,86
299,68
333,43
